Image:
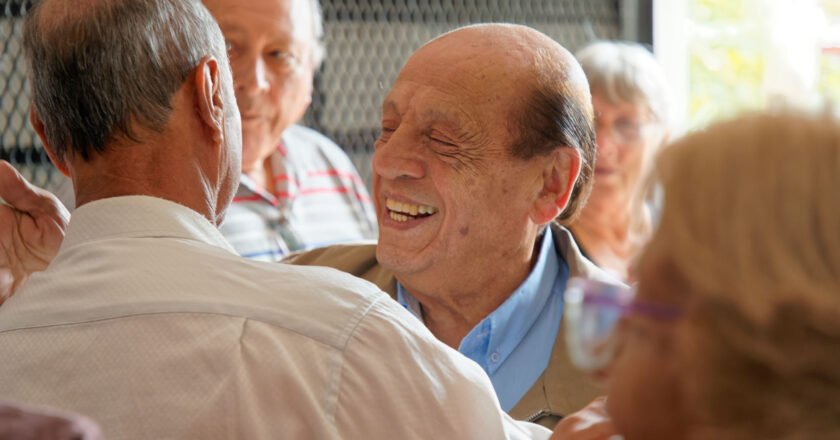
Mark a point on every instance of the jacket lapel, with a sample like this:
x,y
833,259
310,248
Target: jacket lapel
x,y
562,388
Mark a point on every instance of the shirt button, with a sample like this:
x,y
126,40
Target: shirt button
x,y
494,357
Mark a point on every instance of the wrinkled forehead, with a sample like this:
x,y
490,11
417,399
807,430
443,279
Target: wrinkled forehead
x,y
469,73
463,92
429,108
270,18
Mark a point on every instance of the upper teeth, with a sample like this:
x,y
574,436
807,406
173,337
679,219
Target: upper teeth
x,y
408,208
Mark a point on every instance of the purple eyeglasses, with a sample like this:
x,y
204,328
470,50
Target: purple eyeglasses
x,y
592,310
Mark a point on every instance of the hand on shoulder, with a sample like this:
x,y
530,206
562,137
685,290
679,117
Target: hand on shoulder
x,y
32,225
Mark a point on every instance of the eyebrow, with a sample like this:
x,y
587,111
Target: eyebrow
x,y
457,124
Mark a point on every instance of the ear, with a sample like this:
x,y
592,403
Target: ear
x,y
38,125
559,174
208,93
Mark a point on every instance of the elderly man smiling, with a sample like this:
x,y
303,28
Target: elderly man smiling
x,y
486,140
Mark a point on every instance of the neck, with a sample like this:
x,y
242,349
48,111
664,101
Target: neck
x,y
261,175
609,236
451,317
608,218
148,170
453,305
614,234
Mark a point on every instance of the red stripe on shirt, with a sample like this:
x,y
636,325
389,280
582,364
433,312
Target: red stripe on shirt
x,y
251,198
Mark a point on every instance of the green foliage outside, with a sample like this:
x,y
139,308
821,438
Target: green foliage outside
x,y
725,63
829,85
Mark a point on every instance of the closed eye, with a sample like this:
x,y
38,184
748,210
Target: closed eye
x,y
384,135
443,142
440,138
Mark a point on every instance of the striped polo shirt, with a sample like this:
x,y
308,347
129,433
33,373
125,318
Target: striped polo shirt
x,y
318,199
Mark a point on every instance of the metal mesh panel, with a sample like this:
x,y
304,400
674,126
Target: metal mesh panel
x,y
18,142
367,43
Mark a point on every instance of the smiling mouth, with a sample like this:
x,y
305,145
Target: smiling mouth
x,y
403,212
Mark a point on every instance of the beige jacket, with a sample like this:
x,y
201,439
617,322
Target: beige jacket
x,y
560,390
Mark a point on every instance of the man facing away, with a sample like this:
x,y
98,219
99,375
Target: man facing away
x,y
146,320
298,189
487,139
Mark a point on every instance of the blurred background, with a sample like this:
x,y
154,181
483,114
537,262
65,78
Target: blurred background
x,y
722,57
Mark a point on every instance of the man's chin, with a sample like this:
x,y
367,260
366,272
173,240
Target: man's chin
x,y
399,260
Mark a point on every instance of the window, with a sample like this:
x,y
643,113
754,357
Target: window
x,y
725,57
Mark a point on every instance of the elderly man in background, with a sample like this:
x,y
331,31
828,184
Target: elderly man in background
x,y
298,189
146,320
487,146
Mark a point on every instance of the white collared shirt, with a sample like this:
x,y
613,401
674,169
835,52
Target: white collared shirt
x,y
148,322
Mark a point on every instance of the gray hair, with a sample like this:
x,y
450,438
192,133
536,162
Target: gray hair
x,y
97,67
626,72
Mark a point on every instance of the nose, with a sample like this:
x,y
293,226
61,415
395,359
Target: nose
x,y
397,158
251,75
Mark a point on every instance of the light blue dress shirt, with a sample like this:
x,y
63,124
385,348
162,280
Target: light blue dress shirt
x,y
513,344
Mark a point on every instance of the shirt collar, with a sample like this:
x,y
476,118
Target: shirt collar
x,y
501,331
139,216
250,191
512,320
408,301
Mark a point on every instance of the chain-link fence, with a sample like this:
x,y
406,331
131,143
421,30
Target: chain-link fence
x,y
18,142
367,43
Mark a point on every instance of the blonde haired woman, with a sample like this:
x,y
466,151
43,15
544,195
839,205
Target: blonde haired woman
x,y
630,100
735,330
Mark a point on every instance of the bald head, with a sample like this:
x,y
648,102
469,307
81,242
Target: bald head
x,y
513,51
550,105
516,48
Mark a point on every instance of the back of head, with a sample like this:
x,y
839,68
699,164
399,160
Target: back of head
x,y
98,69
627,72
751,228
